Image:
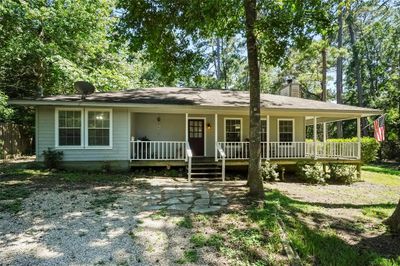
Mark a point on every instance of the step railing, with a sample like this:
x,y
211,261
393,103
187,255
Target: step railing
x,y
189,155
157,150
222,155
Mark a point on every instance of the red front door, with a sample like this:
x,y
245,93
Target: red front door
x,y
196,136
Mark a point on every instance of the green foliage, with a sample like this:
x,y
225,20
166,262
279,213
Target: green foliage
x,y
369,148
185,222
47,45
53,158
198,240
269,171
313,173
189,256
5,111
199,36
342,174
11,197
391,150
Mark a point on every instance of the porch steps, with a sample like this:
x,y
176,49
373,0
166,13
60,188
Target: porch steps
x,y
206,168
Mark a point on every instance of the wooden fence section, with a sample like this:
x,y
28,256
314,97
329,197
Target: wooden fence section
x,y
16,140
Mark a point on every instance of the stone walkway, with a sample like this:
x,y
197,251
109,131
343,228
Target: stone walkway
x,y
195,199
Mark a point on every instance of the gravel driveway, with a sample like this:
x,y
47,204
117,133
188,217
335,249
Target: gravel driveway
x,y
106,225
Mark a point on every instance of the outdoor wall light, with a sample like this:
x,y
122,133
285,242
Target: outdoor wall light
x,y
158,119
208,126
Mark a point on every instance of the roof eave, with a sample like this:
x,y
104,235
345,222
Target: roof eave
x,y
360,112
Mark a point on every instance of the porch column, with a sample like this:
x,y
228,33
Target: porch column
x,y
324,137
359,137
315,137
267,138
216,136
186,134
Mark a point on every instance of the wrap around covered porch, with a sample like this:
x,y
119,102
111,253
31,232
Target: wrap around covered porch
x,y
178,139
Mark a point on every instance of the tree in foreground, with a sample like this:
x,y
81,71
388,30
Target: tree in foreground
x,y
393,222
171,34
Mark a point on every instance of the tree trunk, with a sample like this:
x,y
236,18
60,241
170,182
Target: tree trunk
x,y
357,68
254,175
339,69
394,221
324,69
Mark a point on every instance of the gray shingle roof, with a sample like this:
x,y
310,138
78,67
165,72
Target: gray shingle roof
x,y
204,97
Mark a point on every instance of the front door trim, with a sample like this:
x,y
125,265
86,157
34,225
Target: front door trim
x,y
205,131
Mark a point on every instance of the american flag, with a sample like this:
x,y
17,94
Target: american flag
x,y
379,128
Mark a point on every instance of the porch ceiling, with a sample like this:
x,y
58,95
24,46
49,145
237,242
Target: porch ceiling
x,y
310,119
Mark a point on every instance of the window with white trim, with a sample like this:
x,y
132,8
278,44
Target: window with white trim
x,y
69,127
263,130
286,131
99,123
233,128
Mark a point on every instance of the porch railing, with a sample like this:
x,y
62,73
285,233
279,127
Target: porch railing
x,y
189,156
222,155
158,150
293,150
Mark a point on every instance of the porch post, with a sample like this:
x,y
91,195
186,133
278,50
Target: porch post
x,y
267,138
216,136
186,134
359,137
315,137
324,137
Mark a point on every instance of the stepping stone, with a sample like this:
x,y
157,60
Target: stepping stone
x,y
155,207
202,202
205,208
171,201
218,195
153,197
220,201
203,194
188,199
179,207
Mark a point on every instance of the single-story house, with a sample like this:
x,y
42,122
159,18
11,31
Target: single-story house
x,y
184,126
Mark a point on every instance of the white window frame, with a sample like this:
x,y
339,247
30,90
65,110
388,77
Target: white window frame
x,y
57,133
87,110
266,121
241,126
293,128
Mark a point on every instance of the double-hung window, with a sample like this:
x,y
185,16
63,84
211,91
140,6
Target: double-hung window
x,y
263,130
233,130
286,130
76,128
69,125
98,128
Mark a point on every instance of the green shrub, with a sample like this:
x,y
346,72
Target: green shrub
x,y
391,150
269,171
52,158
342,174
369,148
313,173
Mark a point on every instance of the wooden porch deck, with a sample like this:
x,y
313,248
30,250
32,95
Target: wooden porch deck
x,y
243,162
